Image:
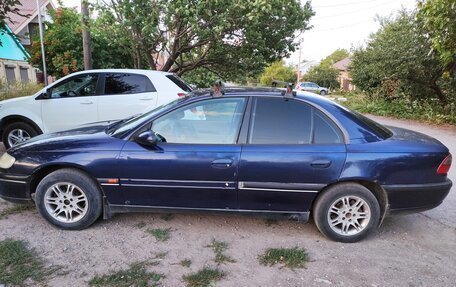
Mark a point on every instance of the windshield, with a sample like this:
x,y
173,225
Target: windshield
x,y
120,128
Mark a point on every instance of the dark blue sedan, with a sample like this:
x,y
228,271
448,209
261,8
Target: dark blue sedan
x,y
256,151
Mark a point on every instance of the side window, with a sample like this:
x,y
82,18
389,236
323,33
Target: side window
x,y
78,86
214,121
325,131
116,84
280,121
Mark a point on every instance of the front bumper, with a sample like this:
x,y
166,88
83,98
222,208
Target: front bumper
x,y
416,197
14,188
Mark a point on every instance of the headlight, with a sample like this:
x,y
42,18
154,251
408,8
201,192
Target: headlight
x,y
6,161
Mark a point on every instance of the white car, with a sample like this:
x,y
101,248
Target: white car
x,y
87,97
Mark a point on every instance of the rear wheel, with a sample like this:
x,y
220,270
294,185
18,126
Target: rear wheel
x,y
323,92
69,199
16,133
346,212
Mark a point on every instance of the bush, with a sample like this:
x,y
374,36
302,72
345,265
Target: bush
x,y
18,89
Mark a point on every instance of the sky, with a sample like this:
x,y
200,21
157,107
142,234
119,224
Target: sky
x,y
336,24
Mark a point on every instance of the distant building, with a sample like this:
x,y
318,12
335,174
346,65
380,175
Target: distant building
x,y
344,74
13,59
26,28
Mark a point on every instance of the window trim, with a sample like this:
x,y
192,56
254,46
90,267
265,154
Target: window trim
x,y
103,87
341,132
148,125
97,89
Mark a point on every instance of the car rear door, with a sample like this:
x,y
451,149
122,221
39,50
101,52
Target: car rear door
x,y
125,95
71,102
196,164
292,151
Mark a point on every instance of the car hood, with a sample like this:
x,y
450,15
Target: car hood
x,y
15,101
87,137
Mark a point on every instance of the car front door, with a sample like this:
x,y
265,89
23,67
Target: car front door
x,y
71,103
293,150
194,165
125,95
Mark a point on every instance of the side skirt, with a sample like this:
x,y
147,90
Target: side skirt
x,y
110,209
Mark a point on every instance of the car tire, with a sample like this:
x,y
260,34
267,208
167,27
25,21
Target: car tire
x,y
69,199
346,212
15,129
323,93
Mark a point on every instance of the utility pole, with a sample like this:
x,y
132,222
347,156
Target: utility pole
x,y
43,56
298,72
86,41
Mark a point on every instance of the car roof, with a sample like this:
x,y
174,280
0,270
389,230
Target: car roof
x,y
136,71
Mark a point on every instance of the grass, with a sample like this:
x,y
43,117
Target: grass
x,y
18,263
219,248
160,234
403,108
185,263
17,208
18,89
167,217
203,278
140,224
136,275
288,257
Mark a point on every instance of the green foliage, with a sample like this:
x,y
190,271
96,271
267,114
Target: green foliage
x,y
136,275
204,278
161,234
438,17
289,257
63,42
228,37
17,208
396,63
403,108
18,89
277,71
323,75
18,263
201,77
186,263
335,56
219,248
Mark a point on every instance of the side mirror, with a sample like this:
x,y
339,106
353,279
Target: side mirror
x,y
147,138
45,95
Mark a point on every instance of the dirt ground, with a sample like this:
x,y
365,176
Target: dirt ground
x,y
409,250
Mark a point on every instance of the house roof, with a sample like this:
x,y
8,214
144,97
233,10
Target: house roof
x,y
11,48
343,64
17,22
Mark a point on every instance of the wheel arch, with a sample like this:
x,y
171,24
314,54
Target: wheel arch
x,y
379,193
43,171
18,118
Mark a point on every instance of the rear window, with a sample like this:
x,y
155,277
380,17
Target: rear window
x,y
179,82
374,126
116,84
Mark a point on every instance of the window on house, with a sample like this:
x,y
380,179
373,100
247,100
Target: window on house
x,y
10,75
24,75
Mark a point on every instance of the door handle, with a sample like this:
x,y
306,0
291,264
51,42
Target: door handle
x,y
146,99
322,163
86,103
222,163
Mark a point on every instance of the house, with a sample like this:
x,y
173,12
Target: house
x,y
26,28
13,59
344,74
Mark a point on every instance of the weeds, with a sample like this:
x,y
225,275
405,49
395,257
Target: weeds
x,y
167,217
219,247
289,257
185,263
17,208
18,89
135,275
160,234
204,278
17,264
140,224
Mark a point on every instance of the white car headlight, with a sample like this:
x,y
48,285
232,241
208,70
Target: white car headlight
x,y
6,161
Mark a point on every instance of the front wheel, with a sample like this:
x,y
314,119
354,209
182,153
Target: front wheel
x,y
69,199
346,212
16,133
323,93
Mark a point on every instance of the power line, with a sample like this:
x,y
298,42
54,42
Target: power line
x,y
354,11
344,4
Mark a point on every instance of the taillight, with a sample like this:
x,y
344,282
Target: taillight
x,y
181,94
444,167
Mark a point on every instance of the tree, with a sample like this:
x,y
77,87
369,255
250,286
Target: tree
x,y
63,40
438,18
324,75
228,37
277,71
397,61
335,56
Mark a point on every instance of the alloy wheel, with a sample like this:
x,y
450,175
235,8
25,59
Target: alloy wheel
x,y
349,215
66,202
18,136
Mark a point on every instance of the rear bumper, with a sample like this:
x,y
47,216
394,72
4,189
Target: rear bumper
x,y
416,197
14,188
